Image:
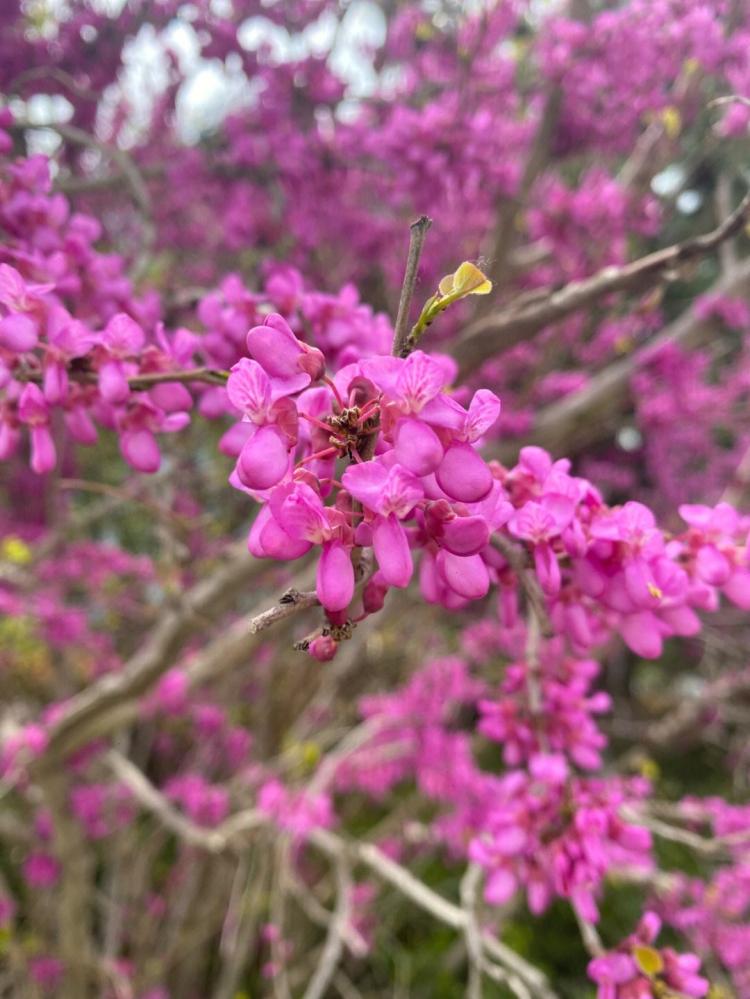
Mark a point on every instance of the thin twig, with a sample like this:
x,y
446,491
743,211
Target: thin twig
x,y
96,711
470,883
336,847
211,376
589,934
333,950
517,559
417,233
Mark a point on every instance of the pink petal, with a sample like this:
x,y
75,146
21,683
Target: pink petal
x,y
500,887
335,580
463,475
642,635
80,425
140,450
267,539
392,551
417,446
113,383
466,576
249,389
738,588
43,455
366,482
712,567
18,333
484,412
55,384
263,460
465,535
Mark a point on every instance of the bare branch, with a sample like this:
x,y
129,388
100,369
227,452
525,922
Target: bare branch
x,y
289,604
589,934
227,837
333,951
470,883
532,312
440,908
211,376
74,894
417,234
505,226
98,709
517,558
125,162
591,415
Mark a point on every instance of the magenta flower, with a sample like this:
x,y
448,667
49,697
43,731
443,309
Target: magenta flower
x,y
34,412
19,295
18,333
290,364
265,456
67,339
638,970
137,426
390,494
540,523
121,339
300,513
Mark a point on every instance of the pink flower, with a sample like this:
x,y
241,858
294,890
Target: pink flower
x,y
41,870
391,494
34,412
122,338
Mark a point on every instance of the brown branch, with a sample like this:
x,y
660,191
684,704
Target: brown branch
x,y
112,700
517,558
334,947
74,892
593,414
128,168
212,376
337,849
417,234
707,847
290,603
65,79
505,226
532,312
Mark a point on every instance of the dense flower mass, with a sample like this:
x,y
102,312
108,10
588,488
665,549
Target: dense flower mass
x,y
640,970
370,620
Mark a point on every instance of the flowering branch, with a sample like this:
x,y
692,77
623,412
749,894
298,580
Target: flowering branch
x,y
532,312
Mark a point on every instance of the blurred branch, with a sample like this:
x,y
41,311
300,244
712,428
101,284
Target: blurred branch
x,y
74,892
532,312
469,889
708,847
53,73
505,226
98,709
212,376
334,947
591,415
78,137
338,850
518,559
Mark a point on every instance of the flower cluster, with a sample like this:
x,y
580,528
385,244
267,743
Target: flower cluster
x,y
638,970
414,480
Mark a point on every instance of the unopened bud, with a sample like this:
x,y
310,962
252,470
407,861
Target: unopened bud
x,y
323,648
